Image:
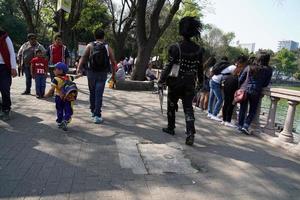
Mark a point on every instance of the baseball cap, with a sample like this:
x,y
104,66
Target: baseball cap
x,y
62,66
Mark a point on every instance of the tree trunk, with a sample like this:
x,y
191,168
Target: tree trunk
x,y
28,17
141,65
120,48
146,42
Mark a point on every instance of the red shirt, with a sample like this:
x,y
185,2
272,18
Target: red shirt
x,y
39,65
57,53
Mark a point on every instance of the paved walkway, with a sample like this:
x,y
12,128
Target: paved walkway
x,y
120,158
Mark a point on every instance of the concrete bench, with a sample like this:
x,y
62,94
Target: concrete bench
x,y
130,85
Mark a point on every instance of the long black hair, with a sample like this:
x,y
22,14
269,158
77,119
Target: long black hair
x,y
262,60
190,27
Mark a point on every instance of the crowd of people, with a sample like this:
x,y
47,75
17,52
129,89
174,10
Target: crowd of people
x,y
250,74
36,62
218,79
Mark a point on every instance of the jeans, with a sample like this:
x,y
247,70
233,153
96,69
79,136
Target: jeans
x,y
28,78
40,84
64,110
96,82
215,92
253,100
5,83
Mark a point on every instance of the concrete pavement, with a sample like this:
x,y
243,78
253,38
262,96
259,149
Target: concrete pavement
x,y
114,160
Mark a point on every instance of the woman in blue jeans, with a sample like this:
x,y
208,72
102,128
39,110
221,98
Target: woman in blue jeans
x,y
259,77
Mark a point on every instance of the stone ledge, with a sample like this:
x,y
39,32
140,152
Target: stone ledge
x,y
130,85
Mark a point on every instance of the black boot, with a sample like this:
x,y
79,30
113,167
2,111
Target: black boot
x,y
169,131
189,139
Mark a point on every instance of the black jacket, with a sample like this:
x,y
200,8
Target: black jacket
x,y
191,63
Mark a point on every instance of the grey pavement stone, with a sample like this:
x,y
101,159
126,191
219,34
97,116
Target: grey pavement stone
x,y
39,161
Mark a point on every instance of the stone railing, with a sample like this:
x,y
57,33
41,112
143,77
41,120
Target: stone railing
x,y
275,94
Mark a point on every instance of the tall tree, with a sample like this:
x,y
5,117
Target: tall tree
x,y
191,8
123,18
11,19
285,63
31,10
148,37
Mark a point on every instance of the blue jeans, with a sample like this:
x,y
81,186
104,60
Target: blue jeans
x,y
5,83
215,92
96,82
28,78
40,84
253,100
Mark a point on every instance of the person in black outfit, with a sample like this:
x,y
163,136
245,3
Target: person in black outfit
x,y
231,84
188,55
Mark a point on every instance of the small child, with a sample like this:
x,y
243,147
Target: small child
x,y
39,70
64,107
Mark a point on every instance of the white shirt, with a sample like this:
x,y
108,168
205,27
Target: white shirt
x,y
12,54
228,70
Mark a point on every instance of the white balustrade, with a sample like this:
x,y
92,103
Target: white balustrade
x,y
293,98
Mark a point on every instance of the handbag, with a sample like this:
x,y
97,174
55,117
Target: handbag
x,y
241,94
176,66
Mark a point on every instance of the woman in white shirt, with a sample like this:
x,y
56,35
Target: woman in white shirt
x,y
216,92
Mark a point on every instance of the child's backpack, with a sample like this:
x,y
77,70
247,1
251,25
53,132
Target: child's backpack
x,y
69,90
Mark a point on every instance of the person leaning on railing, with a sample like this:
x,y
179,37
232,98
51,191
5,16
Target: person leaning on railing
x,y
259,77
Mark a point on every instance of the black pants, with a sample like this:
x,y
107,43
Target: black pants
x,y
28,78
5,83
186,93
227,109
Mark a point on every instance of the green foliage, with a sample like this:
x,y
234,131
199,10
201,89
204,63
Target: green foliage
x,y
11,20
217,43
285,62
171,35
93,16
297,75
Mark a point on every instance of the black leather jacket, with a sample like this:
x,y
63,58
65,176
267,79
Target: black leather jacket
x,y
191,63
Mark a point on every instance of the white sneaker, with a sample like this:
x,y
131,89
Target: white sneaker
x,y
230,125
216,118
209,115
223,123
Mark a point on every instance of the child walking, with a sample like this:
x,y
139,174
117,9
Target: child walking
x,y
39,70
64,106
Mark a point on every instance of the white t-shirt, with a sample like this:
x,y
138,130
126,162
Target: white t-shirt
x,y
12,54
228,70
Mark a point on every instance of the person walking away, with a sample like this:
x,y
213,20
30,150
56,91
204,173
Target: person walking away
x,y
203,104
39,70
260,75
57,52
231,84
8,70
63,105
188,55
219,70
99,55
25,55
